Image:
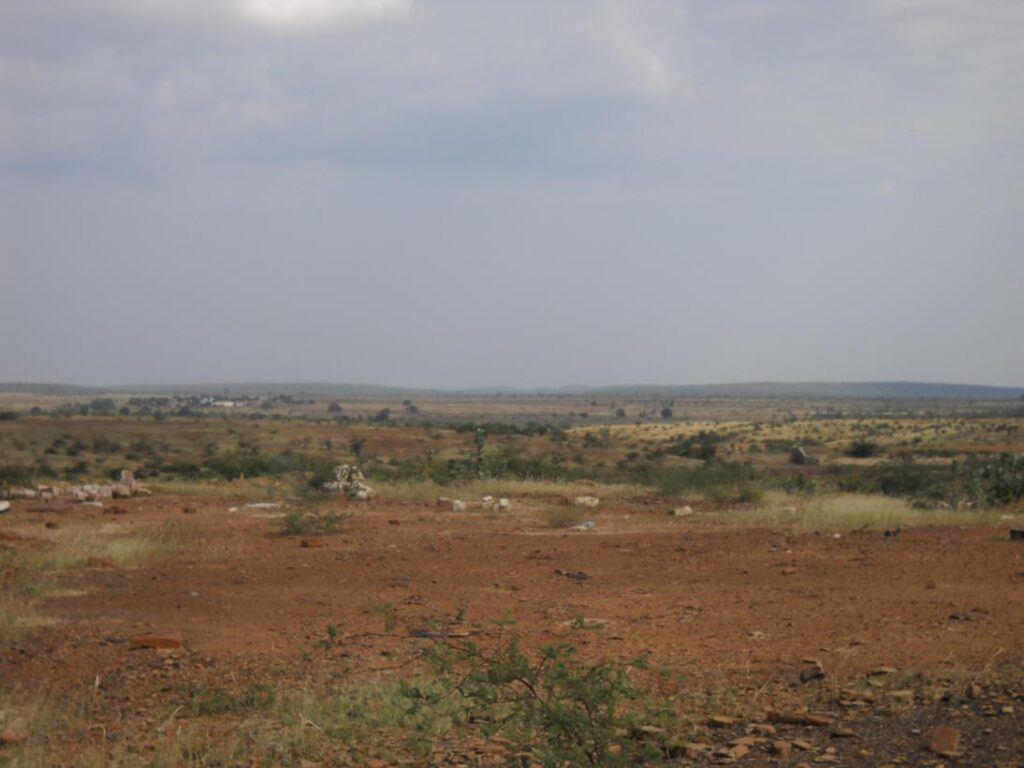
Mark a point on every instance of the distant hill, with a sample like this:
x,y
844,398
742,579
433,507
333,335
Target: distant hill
x,y
814,390
757,390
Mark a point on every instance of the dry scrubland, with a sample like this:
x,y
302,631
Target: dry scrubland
x,y
861,608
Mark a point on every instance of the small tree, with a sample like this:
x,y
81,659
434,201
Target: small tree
x,y
666,413
356,446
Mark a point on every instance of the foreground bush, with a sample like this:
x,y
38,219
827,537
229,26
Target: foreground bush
x,y
562,709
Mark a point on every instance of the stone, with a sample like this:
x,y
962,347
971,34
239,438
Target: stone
x,y
803,745
763,729
819,721
781,748
682,512
312,542
789,570
975,691
738,750
504,505
573,575
5,506
162,640
945,741
128,480
586,501
10,738
1017,534
690,750
797,718
458,506
349,480
721,721
814,672
797,455
100,562
842,732
443,502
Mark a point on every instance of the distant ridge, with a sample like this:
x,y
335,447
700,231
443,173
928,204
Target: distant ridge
x,y
755,390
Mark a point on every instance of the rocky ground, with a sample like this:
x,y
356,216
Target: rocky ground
x,y
776,648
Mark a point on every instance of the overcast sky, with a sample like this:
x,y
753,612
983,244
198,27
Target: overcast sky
x,y
539,192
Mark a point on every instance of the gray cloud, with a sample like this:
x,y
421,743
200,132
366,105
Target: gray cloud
x,y
460,192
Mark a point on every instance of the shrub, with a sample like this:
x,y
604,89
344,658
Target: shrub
x,y
915,481
565,711
14,474
991,481
862,449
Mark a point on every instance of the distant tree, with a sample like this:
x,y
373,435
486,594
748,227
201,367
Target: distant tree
x,y
334,408
356,446
862,449
411,409
666,413
103,405
620,413
382,415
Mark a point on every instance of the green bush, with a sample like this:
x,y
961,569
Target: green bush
x,y
862,449
565,711
14,474
992,480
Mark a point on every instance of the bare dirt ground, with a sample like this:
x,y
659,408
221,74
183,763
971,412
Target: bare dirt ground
x,y
913,630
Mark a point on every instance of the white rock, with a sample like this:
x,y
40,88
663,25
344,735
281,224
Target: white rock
x,y
586,501
458,506
682,511
4,506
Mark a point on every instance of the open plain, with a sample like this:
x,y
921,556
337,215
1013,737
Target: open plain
x,y
823,609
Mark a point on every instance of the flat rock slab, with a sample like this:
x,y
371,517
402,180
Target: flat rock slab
x,y
164,640
945,741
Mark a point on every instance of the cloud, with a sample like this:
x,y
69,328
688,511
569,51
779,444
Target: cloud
x,y
309,15
647,44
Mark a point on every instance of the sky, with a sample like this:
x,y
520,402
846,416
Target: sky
x,y
458,193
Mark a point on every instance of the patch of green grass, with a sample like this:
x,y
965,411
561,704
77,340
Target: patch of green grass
x,y
73,547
